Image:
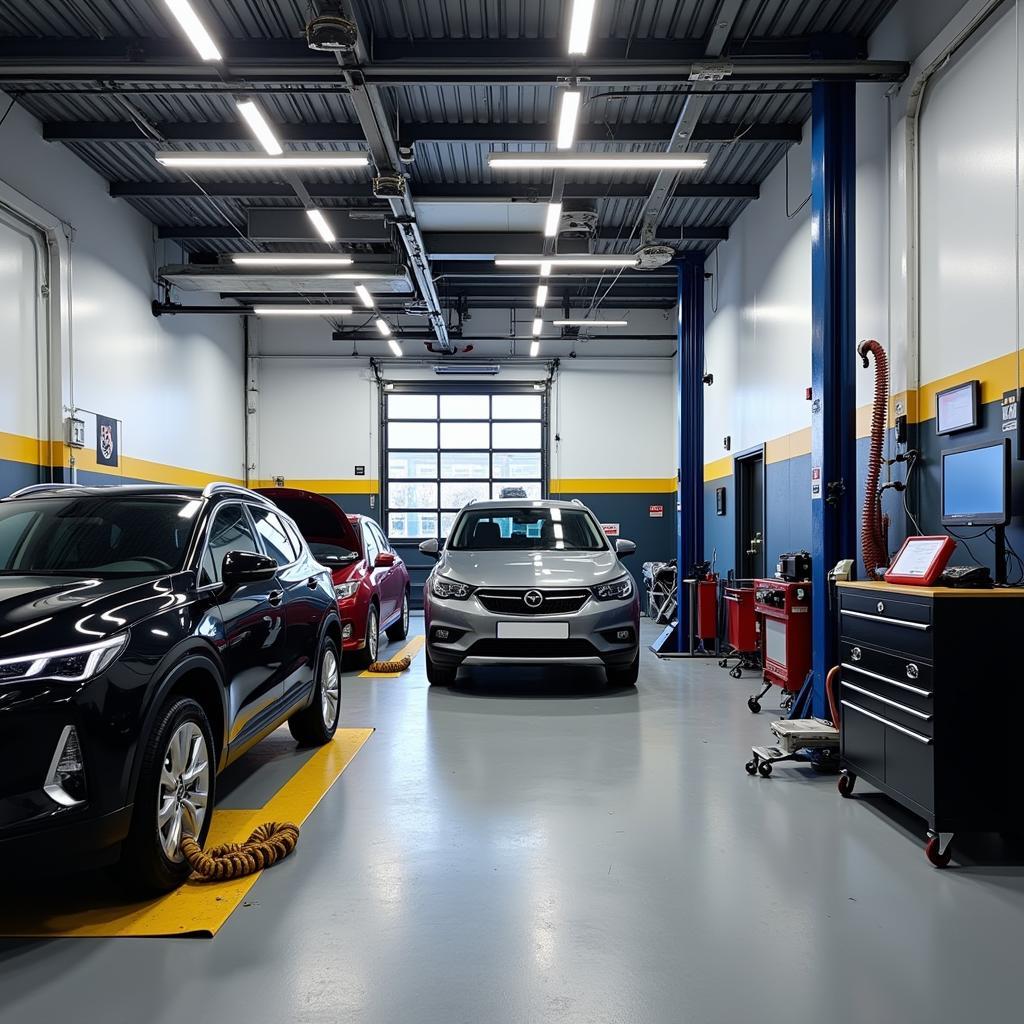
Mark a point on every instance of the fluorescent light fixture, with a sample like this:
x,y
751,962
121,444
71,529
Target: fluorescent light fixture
x,y
382,326
591,323
282,260
364,296
565,261
323,229
395,347
250,110
598,161
185,15
567,119
542,294
553,220
467,369
534,349
302,310
579,25
249,161
538,325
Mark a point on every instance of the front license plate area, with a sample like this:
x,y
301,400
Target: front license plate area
x,y
533,630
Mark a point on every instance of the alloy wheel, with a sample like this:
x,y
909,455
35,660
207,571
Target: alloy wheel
x,y
405,612
184,788
330,688
372,634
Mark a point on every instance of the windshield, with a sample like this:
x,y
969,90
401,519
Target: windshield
x,y
527,529
98,535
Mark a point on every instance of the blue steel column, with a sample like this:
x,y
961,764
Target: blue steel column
x,y
690,389
833,360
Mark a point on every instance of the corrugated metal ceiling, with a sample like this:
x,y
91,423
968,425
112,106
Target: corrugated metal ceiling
x,y
608,113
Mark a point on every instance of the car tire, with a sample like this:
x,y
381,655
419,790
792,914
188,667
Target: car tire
x,y
623,677
438,676
316,725
146,868
400,629
368,654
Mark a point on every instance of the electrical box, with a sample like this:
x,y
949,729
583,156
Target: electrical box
x,y
76,432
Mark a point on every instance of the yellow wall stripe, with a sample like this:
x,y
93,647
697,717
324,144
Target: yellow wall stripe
x,y
358,485
28,450
718,469
615,485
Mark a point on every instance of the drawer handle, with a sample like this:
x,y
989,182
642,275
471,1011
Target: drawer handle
x,y
730,597
886,679
885,721
885,700
923,626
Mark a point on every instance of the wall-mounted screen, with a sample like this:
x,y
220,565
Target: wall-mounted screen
x,y
956,408
976,485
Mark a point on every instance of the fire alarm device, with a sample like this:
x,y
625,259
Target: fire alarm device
x,y
920,561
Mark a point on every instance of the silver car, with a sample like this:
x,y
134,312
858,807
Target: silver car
x,y
530,583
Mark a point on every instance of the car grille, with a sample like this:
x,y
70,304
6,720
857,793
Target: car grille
x,y
532,649
513,601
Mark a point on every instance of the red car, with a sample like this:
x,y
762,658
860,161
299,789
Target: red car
x,y
371,582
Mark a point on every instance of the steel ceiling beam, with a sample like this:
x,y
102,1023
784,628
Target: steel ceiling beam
x,y
441,193
30,59
362,231
468,134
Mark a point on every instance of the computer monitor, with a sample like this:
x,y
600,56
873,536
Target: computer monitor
x,y
976,485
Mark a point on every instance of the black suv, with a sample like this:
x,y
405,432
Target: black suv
x,y
148,637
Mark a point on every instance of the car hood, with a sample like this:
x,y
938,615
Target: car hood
x,y
41,613
531,568
317,517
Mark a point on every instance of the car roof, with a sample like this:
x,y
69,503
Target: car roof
x,y
212,490
499,503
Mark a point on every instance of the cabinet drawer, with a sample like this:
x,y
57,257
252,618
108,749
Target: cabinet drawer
x,y
862,743
867,695
888,629
879,605
910,768
907,680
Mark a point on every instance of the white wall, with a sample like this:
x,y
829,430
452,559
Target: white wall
x,y
968,190
175,382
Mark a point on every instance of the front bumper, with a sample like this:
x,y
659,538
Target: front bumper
x,y
600,633
35,828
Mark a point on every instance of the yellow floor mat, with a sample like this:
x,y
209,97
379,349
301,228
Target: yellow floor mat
x,y
63,907
412,648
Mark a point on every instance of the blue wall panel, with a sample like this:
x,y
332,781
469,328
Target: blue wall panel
x,y
720,531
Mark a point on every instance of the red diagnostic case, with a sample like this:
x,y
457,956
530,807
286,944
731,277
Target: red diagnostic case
x,y
928,573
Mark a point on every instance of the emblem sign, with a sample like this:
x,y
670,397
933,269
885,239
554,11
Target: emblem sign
x,y
533,599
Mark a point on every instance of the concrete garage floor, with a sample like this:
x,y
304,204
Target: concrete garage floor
x,y
518,850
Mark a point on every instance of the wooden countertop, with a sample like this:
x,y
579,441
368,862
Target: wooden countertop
x,y
881,587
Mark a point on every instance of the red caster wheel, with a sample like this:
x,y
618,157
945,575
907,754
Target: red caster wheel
x,y
845,785
931,851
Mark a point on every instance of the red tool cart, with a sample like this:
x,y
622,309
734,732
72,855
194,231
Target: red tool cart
x,y
742,627
707,611
785,610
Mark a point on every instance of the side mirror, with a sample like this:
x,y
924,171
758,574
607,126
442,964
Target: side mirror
x,y
240,567
430,547
624,548
384,560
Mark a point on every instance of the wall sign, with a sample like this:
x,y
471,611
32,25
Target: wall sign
x,y
656,511
107,441
360,471
610,529
816,481
1010,407
719,501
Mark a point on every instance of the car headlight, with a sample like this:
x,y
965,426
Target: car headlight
x,y
71,665
446,589
616,590
345,590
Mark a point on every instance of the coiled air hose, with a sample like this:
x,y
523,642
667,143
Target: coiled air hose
x,y
874,530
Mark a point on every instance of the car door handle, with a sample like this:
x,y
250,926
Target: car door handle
x,y
275,597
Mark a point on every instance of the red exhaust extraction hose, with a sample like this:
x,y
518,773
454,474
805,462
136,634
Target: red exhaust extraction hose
x,y
874,530
830,693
